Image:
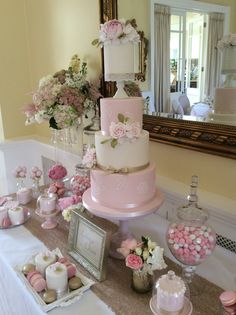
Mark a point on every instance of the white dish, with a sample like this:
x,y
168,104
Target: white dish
x,y
186,310
67,299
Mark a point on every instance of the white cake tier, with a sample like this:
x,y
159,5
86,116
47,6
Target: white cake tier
x,y
131,155
119,61
131,107
229,60
123,191
56,277
225,101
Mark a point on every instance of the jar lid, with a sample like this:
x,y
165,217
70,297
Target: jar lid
x,y
170,284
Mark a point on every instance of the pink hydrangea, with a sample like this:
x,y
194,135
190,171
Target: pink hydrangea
x,y
56,172
134,262
89,159
69,201
36,173
79,184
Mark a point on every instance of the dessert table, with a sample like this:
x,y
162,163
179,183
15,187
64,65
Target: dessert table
x,y
114,294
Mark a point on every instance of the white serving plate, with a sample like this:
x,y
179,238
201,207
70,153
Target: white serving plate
x,y
67,299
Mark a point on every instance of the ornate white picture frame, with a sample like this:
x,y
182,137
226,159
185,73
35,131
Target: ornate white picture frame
x,y
88,243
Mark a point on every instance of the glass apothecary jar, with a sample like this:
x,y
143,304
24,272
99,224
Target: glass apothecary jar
x,y
190,239
81,180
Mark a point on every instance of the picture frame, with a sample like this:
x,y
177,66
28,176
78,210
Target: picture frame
x,y
89,241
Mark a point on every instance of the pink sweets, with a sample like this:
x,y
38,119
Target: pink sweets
x,y
191,244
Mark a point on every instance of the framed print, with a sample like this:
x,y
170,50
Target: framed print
x,y
88,242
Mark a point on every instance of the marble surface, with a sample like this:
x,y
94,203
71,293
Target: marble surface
x,y
116,290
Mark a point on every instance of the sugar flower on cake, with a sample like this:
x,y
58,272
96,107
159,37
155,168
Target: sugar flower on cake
x,y
89,158
63,97
35,173
144,255
123,130
116,32
227,41
57,172
20,172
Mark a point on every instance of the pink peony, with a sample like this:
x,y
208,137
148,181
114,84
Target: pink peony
x,y
117,130
111,30
57,172
69,201
134,262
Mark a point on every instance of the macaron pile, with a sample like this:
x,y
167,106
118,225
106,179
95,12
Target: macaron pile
x,y
36,280
190,244
71,269
228,301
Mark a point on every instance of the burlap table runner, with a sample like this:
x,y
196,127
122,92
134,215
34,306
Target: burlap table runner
x,y
116,290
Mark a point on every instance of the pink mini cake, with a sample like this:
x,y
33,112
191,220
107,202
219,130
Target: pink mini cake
x,y
170,293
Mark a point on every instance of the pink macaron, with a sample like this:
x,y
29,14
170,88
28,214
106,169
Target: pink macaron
x,y
228,298
34,278
71,268
40,284
31,274
231,310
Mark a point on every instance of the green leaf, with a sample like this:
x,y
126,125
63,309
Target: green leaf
x,y
105,141
114,142
95,42
121,118
52,123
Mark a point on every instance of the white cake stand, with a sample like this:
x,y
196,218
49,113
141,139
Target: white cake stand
x,y
123,215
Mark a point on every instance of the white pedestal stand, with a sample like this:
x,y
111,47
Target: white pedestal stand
x,y
122,215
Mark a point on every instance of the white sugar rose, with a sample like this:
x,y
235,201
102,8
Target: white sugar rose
x,y
133,130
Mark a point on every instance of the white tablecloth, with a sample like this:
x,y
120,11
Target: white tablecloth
x,y
16,247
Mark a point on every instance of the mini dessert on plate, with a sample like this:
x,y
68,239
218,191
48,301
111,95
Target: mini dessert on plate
x,y
57,278
16,215
43,260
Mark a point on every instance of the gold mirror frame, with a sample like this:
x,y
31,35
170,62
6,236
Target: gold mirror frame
x,y
199,136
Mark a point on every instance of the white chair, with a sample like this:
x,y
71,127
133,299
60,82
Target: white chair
x,y
200,110
185,103
177,108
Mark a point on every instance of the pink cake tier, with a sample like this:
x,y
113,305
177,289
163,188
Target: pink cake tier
x,y
133,155
225,101
131,107
123,191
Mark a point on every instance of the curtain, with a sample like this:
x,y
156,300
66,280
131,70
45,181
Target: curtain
x,y
162,58
213,63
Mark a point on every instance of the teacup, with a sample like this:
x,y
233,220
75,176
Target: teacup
x,y
24,196
16,215
3,214
46,203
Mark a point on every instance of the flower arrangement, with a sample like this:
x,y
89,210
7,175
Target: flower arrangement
x,y
79,184
132,89
69,201
123,130
116,32
20,172
35,173
145,255
67,212
227,41
63,97
89,158
57,172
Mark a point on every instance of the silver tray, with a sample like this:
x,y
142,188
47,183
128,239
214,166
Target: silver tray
x,y
67,299
27,215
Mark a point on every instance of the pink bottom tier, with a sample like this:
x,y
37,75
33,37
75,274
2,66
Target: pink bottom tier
x,y
123,191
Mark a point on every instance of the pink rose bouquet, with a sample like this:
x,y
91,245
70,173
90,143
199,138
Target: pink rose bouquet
x,y
20,172
142,255
57,172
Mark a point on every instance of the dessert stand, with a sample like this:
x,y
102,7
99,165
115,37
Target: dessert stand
x,y
50,222
122,215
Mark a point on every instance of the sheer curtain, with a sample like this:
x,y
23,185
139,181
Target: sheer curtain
x,y
162,58
215,33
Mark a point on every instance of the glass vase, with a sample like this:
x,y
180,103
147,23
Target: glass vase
x,y
35,188
20,183
142,281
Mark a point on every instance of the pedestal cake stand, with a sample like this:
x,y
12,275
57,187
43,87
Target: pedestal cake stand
x,y
122,215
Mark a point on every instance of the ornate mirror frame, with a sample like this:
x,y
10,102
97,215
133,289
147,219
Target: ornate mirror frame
x,y
199,136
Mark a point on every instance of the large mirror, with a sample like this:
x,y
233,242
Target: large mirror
x,y
183,131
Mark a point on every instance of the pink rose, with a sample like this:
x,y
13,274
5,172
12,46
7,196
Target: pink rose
x,y
68,201
134,262
111,30
133,130
117,130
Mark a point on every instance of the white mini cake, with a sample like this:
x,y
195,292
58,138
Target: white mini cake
x,y
43,260
16,215
170,293
57,278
